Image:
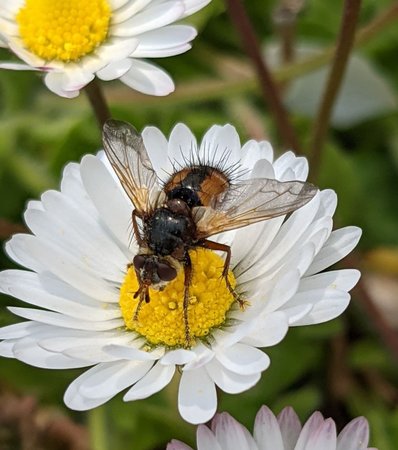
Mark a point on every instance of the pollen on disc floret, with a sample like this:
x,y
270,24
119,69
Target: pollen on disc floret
x,y
161,321
63,30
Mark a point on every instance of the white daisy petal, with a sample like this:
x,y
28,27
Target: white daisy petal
x,y
16,66
340,243
128,9
154,381
243,359
56,319
230,382
147,78
268,330
164,41
153,17
28,351
182,142
115,69
55,82
112,205
26,286
157,147
197,398
103,382
18,330
192,6
327,306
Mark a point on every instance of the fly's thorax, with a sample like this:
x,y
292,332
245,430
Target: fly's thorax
x,y
166,231
199,185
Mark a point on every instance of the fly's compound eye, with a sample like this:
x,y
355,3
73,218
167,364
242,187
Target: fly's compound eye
x,y
166,272
139,261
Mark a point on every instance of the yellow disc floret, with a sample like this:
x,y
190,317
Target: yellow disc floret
x,y
161,321
63,30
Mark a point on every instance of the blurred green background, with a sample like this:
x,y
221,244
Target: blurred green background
x,y
344,368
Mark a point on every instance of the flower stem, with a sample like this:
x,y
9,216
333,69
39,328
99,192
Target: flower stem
x,y
97,428
98,102
344,46
269,87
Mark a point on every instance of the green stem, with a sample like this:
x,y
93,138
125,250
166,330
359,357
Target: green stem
x,y
269,87
97,428
336,75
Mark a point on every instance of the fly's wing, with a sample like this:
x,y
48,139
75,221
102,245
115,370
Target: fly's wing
x,y
252,201
126,152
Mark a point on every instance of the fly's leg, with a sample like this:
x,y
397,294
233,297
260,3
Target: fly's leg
x,y
143,293
136,232
187,283
227,249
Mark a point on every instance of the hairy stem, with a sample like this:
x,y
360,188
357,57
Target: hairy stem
x,y
345,44
269,87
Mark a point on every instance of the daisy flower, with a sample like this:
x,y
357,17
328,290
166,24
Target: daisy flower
x,y
73,41
279,433
80,276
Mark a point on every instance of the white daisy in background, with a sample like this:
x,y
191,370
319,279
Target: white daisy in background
x,y
73,41
279,433
77,258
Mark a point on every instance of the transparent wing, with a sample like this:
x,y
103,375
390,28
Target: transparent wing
x,y
252,201
126,152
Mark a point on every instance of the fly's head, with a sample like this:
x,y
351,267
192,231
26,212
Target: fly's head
x,y
153,271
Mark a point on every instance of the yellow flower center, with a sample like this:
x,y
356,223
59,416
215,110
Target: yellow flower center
x,y
161,321
63,30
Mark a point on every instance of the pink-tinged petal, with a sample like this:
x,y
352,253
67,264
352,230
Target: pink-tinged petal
x,y
313,424
231,434
206,439
177,445
197,398
323,438
266,431
354,436
290,427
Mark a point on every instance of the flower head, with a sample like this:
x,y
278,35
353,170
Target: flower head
x,y
279,433
73,41
79,259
